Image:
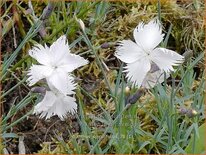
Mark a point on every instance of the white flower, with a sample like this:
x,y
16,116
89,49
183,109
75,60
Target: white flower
x,y
55,103
55,64
140,55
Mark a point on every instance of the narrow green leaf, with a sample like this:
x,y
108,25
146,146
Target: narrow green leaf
x,y
199,142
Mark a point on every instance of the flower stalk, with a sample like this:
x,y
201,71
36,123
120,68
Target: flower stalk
x,y
98,60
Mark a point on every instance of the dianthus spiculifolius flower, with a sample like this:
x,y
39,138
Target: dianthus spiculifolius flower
x,y
141,54
56,65
55,103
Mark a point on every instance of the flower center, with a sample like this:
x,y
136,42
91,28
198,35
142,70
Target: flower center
x,y
54,67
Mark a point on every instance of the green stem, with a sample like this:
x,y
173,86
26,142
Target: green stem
x,y
105,132
194,142
19,120
98,62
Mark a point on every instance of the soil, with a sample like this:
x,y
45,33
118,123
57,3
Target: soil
x,y
37,131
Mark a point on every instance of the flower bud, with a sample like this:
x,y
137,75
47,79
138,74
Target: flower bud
x,y
194,112
105,45
127,90
187,54
40,90
183,111
191,113
81,23
133,98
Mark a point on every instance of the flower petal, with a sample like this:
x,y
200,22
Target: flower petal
x,y
137,71
62,82
165,59
41,54
59,49
38,72
71,62
47,102
128,51
148,36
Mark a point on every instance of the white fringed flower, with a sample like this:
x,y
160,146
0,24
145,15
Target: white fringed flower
x,y
55,64
140,55
55,103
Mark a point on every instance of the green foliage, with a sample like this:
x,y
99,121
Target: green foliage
x,y
197,142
